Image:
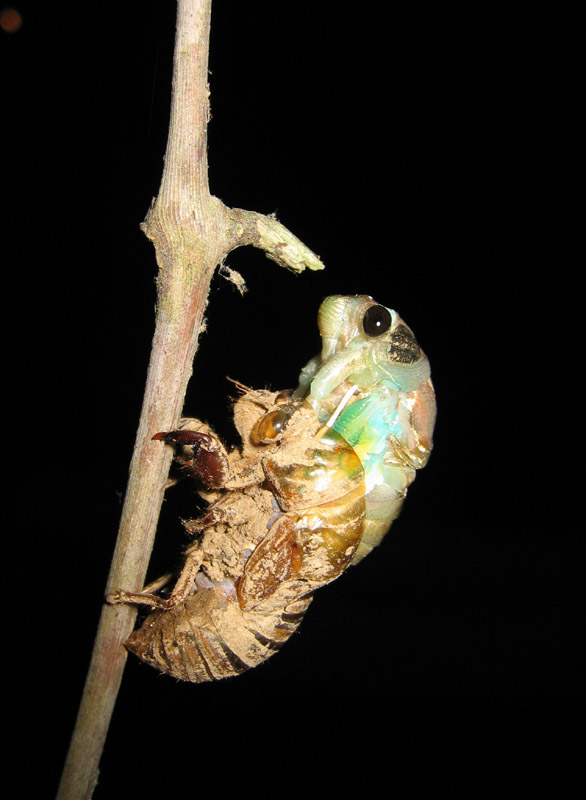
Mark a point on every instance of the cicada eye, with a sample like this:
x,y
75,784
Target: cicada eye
x,y
376,321
269,426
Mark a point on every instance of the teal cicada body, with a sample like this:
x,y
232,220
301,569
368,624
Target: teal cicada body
x,y
371,383
321,474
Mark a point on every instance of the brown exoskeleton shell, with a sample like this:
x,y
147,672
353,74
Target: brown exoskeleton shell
x,y
287,519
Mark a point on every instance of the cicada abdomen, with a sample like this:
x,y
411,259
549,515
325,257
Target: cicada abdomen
x,y
245,593
208,636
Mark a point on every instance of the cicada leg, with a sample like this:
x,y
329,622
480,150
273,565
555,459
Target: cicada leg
x,y
200,453
147,597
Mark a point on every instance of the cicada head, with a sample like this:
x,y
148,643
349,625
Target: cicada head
x,y
364,343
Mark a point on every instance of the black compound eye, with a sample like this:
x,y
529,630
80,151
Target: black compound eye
x,y
376,321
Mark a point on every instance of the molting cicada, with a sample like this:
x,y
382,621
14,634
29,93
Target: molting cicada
x,y
321,474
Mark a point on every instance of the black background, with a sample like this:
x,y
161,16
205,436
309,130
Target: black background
x,y
415,150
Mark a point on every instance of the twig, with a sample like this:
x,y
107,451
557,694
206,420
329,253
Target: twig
x,y
192,233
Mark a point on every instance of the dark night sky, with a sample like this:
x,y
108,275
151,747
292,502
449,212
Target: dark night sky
x,y
416,152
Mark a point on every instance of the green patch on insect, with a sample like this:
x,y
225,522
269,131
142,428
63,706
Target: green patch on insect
x,y
319,477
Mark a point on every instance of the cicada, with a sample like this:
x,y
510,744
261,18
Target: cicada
x,y
321,473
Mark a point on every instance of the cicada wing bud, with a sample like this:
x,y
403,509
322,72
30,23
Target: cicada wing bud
x,y
423,417
304,551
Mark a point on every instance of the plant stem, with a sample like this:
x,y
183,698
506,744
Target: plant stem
x,y
192,232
